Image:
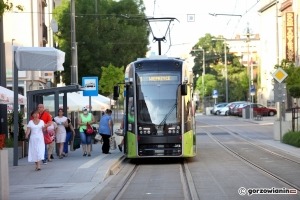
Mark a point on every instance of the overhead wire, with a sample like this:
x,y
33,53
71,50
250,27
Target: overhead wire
x,y
243,15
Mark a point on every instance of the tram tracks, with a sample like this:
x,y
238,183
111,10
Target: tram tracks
x,y
134,171
261,158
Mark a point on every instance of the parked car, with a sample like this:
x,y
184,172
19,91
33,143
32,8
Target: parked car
x,y
224,111
258,109
235,108
217,107
232,105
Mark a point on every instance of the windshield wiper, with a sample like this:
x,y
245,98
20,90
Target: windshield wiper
x,y
167,115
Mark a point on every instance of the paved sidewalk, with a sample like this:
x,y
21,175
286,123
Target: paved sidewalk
x,y
73,177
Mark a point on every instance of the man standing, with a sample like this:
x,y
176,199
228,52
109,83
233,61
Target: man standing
x,y
46,117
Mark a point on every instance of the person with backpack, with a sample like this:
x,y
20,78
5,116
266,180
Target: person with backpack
x,y
70,134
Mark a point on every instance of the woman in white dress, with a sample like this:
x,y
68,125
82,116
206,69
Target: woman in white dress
x,y
61,132
36,149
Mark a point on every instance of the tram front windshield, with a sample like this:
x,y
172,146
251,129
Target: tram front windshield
x,y
157,98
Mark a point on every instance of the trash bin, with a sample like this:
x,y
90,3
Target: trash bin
x,y
246,113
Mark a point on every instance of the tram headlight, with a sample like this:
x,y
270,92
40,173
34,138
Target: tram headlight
x,y
144,130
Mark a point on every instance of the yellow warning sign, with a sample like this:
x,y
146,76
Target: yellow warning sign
x,y
279,75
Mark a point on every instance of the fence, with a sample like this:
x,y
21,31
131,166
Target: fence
x,y
295,117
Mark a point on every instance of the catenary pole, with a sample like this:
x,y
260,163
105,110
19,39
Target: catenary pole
x,y
74,66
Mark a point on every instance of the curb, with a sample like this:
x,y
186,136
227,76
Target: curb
x,y
114,168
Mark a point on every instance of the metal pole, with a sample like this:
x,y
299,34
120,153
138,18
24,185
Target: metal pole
x,y
16,113
277,35
203,75
74,67
3,107
159,47
90,104
226,71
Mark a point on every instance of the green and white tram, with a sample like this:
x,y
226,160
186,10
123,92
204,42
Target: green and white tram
x,y
159,111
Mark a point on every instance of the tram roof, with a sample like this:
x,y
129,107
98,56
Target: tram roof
x,y
159,57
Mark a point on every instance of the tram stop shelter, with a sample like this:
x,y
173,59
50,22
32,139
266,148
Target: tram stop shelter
x,y
37,59
35,97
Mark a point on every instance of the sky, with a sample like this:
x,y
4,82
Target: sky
x,y
194,20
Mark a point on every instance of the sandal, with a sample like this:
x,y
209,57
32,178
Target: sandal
x,y
37,169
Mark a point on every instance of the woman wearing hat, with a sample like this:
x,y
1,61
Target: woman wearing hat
x,y
84,119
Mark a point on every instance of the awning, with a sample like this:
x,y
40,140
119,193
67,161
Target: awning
x,y
39,59
76,101
7,97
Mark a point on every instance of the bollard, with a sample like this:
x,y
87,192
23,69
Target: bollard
x,y
4,176
2,141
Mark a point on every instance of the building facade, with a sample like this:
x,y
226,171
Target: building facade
x,y
279,41
28,28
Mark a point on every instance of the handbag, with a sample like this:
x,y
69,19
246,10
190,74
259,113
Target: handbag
x,y
112,143
76,140
98,137
47,138
89,130
119,132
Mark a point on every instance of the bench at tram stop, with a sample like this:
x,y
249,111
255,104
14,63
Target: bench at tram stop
x,y
257,116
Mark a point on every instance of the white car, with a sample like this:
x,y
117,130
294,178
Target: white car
x,y
217,107
224,111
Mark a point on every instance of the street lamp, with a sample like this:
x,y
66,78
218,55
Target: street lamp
x,y
226,71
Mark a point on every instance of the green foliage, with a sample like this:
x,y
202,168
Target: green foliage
x,y
294,91
8,6
110,77
238,81
113,33
210,83
292,138
293,79
9,142
10,122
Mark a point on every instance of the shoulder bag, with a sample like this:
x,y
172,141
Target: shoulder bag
x,y
47,138
89,130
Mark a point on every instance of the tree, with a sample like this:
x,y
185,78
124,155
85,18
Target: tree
x,y
7,6
114,32
238,82
110,77
292,80
210,84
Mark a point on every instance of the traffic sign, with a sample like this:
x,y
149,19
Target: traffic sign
x,y
252,90
215,94
279,75
90,86
279,92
